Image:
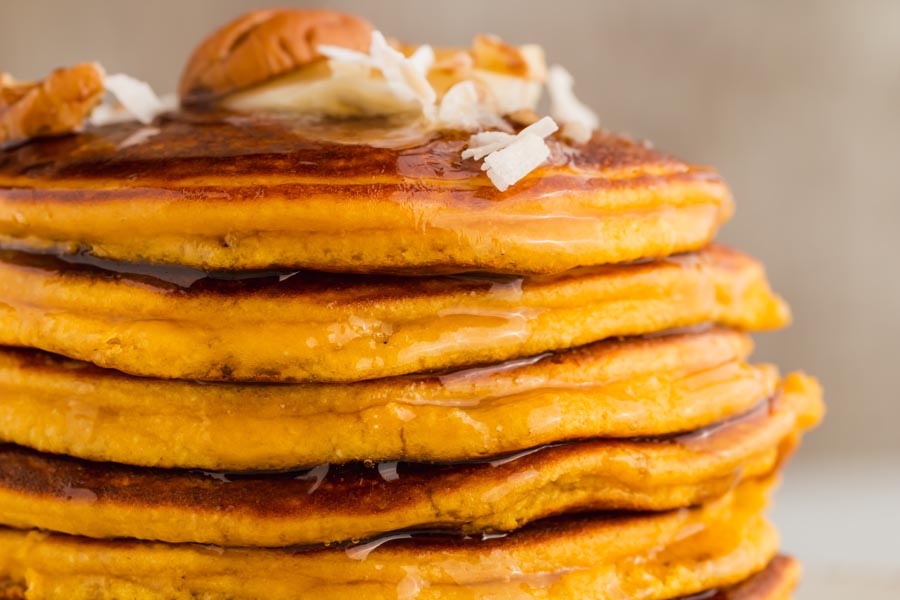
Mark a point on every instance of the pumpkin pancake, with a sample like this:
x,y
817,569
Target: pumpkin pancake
x,y
615,388
232,192
319,327
354,501
654,556
775,582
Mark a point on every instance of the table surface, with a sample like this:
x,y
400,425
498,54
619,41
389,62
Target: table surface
x,y
842,520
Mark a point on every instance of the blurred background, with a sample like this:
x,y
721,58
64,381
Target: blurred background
x,y
798,105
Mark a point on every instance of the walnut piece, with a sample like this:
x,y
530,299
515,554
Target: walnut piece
x,y
57,105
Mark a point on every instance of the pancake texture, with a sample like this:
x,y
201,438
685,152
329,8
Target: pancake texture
x,y
324,198
657,556
314,327
324,505
612,389
775,582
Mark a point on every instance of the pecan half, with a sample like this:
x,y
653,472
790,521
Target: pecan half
x,y
57,105
265,44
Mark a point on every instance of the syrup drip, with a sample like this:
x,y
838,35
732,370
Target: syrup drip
x,y
317,474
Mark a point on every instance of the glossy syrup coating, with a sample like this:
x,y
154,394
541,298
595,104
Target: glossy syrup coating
x,y
234,192
356,501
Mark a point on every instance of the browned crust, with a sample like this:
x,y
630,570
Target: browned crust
x,y
263,44
57,105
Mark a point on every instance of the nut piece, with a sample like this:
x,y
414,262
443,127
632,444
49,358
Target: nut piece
x,y
57,105
265,44
493,54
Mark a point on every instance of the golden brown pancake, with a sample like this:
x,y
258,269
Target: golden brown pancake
x,y
774,582
352,501
317,327
655,556
233,192
615,388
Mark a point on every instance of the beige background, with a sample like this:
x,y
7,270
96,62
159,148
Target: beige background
x,y
796,102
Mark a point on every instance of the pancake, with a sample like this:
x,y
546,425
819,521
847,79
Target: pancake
x,y
775,582
325,504
616,388
233,192
655,556
316,327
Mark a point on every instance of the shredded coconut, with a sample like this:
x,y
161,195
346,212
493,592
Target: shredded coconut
x,y
579,120
463,108
507,157
135,96
577,132
406,77
133,100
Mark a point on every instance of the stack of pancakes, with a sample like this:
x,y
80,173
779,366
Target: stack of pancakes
x,y
254,356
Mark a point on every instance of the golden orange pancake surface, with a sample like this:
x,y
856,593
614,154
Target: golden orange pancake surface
x,y
336,503
612,389
656,556
319,327
254,192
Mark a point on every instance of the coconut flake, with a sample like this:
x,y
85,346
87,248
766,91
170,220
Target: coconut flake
x,y
405,77
576,132
508,158
507,166
422,59
135,96
462,107
543,128
579,120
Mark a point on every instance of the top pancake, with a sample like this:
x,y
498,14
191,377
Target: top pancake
x,y
223,192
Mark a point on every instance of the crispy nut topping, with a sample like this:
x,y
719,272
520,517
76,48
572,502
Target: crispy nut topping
x,y
265,44
57,105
